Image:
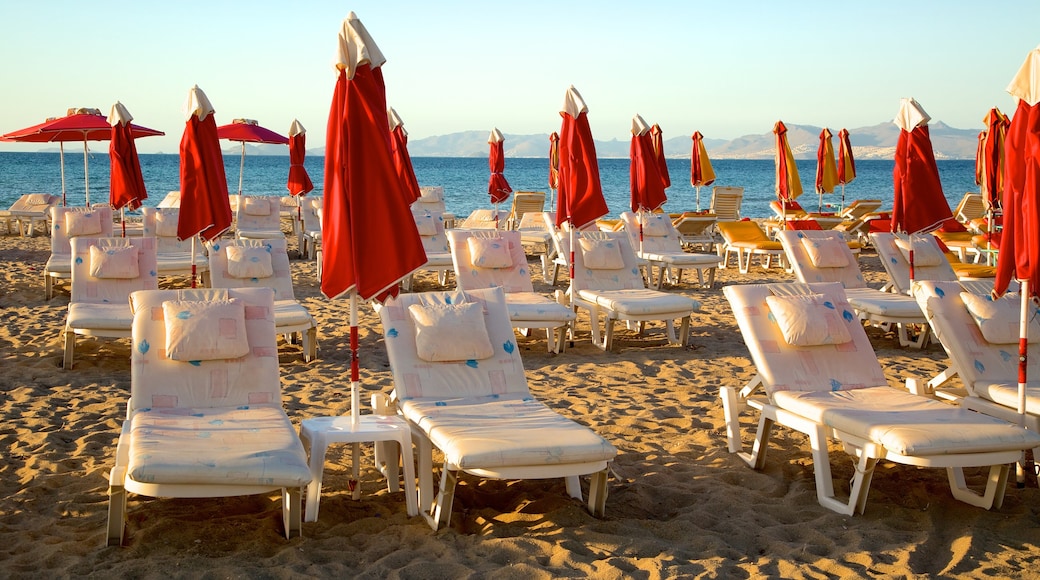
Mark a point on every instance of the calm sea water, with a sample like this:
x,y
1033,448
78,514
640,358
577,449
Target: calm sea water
x,y
465,179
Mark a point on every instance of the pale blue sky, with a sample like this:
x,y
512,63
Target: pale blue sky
x,y
724,68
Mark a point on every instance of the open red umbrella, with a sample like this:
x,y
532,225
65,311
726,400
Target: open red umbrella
x,y
554,166
657,135
846,163
205,208
1019,255
788,184
826,169
701,173
369,239
498,187
402,160
126,185
248,131
77,125
299,182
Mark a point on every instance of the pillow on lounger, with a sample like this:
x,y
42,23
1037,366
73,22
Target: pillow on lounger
x,y
426,225
166,224
601,254
808,320
925,253
489,253
655,227
114,262
249,262
37,199
78,223
826,252
999,320
431,193
205,330
450,332
256,206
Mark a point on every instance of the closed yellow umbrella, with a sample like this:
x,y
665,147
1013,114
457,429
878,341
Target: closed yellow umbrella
x,y
826,167
701,173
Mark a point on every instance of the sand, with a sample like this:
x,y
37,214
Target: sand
x,y
679,504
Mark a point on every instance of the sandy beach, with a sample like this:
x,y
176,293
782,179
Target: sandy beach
x,y
679,504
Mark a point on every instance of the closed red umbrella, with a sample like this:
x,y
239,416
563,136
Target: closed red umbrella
x,y
554,166
919,204
126,185
369,239
299,182
498,187
826,169
402,160
77,125
248,131
657,135
647,190
846,163
205,208
990,167
701,172
788,184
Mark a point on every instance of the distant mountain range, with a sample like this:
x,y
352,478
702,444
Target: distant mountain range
x,y
874,142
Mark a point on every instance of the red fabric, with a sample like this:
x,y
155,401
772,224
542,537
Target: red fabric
x,y
580,200
250,133
78,127
803,224
919,204
824,151
993,156
696,169
498,187
205,207
299,181
403,164
647,191
846,162
1019,255
662,164
369,239
554,160
126,185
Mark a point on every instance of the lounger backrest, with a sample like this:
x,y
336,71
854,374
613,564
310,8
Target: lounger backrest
x,y
525,202
172,199
156,381
59,238
742,231
626,277
515,278
976,360
897,265
726,201
35,202
785,367
258,213
431,199
860,208
163,220
435,242
89,289
971,206
792,210
501,374
309,210
280,281
659,235
849,276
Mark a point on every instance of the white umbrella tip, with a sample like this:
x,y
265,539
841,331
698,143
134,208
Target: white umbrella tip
x,y
119,115
573,103
639,125
911,114
296,128
495,136
197,104
1025,85
356,47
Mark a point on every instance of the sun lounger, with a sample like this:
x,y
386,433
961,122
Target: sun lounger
x,y
745,240
204,417
27,212
537,238
818,374
660,248
496,259
524,202
431,199
258,218
696,229
460,384
438,254
971,206
174,256
67,223
725,202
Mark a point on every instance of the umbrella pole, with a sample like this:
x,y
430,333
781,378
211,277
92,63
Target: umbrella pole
x,y
989,236
842,197
122,219
1023,352
241,168
61,153
193,238
698,190
86,174
355,396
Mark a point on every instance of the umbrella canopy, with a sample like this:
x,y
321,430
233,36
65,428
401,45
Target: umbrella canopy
x,y
701,173
657,135
402,160
647,190
498,187
554,161
205,207
846,163
248,131
919,204
826,168
369,238
299,182
989,161
126,186
788,184
580,200
77,125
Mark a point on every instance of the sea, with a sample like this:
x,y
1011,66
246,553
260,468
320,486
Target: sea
x,y
465,179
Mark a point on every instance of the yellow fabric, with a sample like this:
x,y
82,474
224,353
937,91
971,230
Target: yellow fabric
x,y
830,167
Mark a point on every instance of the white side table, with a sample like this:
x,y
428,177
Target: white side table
x,y
317,433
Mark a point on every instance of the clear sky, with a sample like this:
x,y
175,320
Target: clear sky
x,y
725,68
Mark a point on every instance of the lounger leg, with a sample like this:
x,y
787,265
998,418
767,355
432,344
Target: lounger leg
x,y
440,516
995,487
48,286
743,260
608,333
731,408
116,507
684,331
70,346
291,513
310,344
598,493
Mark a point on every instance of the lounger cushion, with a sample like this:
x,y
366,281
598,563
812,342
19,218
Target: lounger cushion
x,y
426,225
166,224
256,206
655,227
249,262
450,332
920,426
925,254
100,316
247,445
645,302
198,330
601,254
826,252
999,320
114,262
885,304
535,307
79,223
810,319
290,313
506,430
489,252
37,199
